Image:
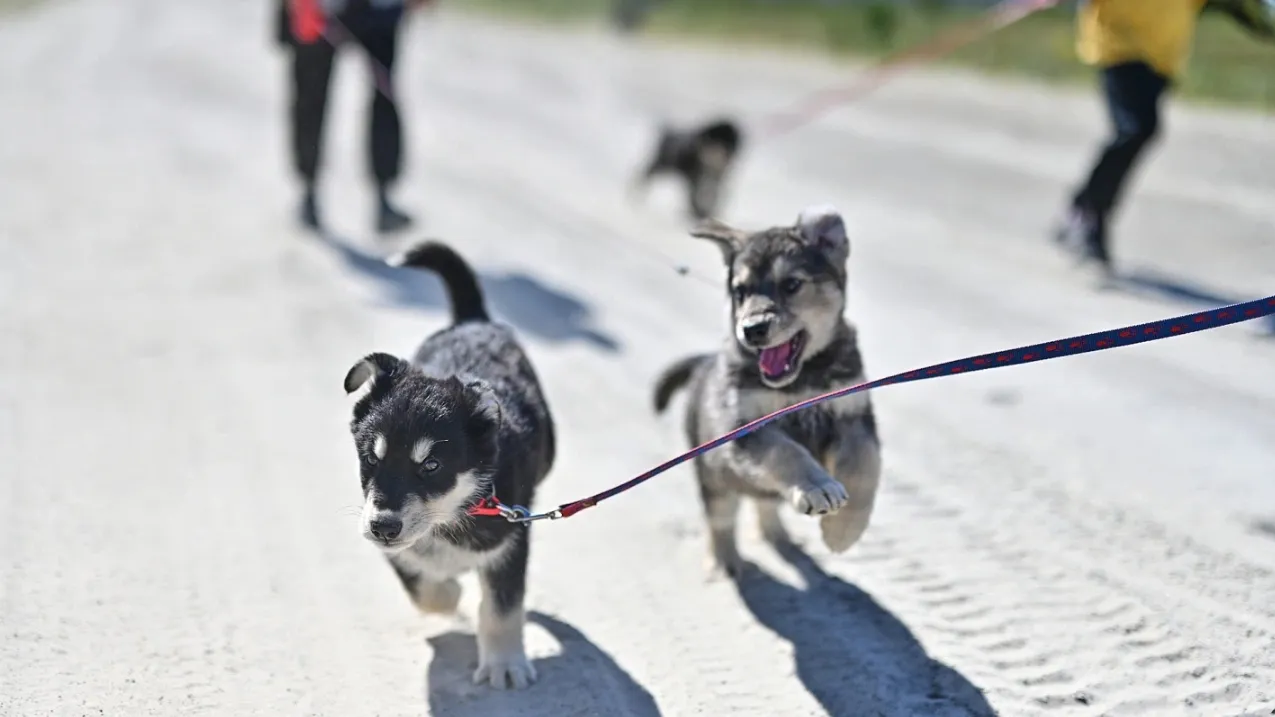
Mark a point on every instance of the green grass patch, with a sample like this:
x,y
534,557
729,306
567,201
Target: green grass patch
x,y
555,10
1227,65
17,5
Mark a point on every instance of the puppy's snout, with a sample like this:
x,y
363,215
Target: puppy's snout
x,y
756,330
385,528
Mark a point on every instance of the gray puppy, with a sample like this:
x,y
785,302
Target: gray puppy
x,y
790,342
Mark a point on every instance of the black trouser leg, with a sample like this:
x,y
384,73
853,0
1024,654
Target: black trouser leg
x,y
377,31
311,76
1133,92
282,24
385,132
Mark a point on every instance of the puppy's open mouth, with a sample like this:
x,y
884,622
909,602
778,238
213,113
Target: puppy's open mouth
x,y
779,363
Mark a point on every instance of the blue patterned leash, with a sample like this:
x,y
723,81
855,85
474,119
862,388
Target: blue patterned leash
x,y
1101,341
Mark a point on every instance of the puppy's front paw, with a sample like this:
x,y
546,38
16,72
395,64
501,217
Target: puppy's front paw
x,y
843,529
772,526
505,670
820,499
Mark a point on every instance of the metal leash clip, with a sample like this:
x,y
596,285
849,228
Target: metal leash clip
x,y
519,514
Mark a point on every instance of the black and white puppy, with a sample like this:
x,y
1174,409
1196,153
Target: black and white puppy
x,y
464,420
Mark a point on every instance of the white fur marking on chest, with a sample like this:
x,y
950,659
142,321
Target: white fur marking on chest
x,y
439,560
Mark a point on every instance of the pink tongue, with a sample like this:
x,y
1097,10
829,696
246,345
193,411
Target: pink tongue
x,y
775,360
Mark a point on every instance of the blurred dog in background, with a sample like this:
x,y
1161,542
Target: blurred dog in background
x,y
702,157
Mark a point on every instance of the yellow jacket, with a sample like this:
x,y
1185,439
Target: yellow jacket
x,y
1157,32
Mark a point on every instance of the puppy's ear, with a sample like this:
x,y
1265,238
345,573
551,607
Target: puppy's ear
x,y
822,227
374,367
484,421
483,397
373,376
728,239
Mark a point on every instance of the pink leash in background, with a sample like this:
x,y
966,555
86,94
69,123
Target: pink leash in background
x,y
687,151
314,25
942,44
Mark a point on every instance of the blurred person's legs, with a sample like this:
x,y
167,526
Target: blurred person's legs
x,y
1132,91
376,29
311,78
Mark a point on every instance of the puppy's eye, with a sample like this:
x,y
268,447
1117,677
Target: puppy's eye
x,y
791,285
740,292
430,465
370,458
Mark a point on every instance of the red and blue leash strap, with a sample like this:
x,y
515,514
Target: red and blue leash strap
x,y
1100,341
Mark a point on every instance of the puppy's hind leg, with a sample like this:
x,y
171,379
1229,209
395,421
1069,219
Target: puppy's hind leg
x,y
502,659
639,185
772,527
703,190
721,508
659,162
856,464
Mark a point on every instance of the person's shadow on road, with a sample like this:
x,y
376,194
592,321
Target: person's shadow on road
x,y
522,300
581,680
841,636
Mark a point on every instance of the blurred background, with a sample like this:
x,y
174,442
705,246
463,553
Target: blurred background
x,y
1228,64
179,494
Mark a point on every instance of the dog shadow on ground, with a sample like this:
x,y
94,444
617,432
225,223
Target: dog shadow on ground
x,y
580,680
1185,293
836,630
530,305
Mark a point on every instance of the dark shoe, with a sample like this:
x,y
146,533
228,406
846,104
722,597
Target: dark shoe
x,y
1084,233
389,219
309,213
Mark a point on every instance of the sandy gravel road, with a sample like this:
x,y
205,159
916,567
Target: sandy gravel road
x,y
1094,536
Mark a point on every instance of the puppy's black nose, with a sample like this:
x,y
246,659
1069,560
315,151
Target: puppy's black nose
x,y
385,528
756,330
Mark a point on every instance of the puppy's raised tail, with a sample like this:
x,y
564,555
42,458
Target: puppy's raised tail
x,y
462,285
674,378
